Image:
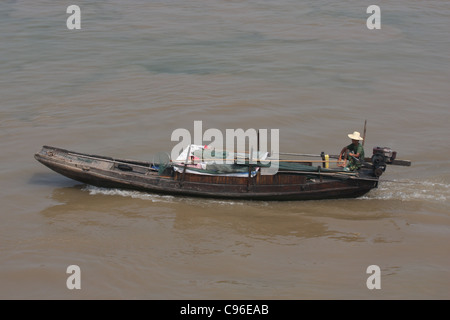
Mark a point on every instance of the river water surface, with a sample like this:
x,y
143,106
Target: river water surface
x,y
137,70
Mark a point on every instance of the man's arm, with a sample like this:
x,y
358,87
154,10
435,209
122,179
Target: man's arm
x,y
343,151
356,155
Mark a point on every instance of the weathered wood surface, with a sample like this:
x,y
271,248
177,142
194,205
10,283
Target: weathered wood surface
x,y
129,174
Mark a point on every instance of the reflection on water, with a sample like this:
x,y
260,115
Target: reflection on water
x,y
51,179
283,223
256,220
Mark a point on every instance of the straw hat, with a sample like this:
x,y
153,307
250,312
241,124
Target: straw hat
x,y
355,136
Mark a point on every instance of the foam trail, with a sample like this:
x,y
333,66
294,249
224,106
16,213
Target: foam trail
x,y
407,190
127,193
154,197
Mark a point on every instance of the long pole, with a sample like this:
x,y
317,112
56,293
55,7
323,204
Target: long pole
x,y
185,165
257,160
298,154
364,134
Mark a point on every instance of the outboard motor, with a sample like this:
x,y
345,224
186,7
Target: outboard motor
x,y
382,156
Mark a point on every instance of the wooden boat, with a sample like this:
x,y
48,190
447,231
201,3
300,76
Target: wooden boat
x,y
289,183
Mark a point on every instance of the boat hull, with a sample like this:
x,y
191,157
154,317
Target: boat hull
x,y
127,174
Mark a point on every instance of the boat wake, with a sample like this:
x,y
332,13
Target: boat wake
x,y
127,193
407,190
154,197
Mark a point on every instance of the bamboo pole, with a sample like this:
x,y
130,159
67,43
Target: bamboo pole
x,y
260,160
364,134
298,154
185,165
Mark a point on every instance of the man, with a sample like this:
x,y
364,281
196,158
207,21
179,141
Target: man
x,y
353,153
